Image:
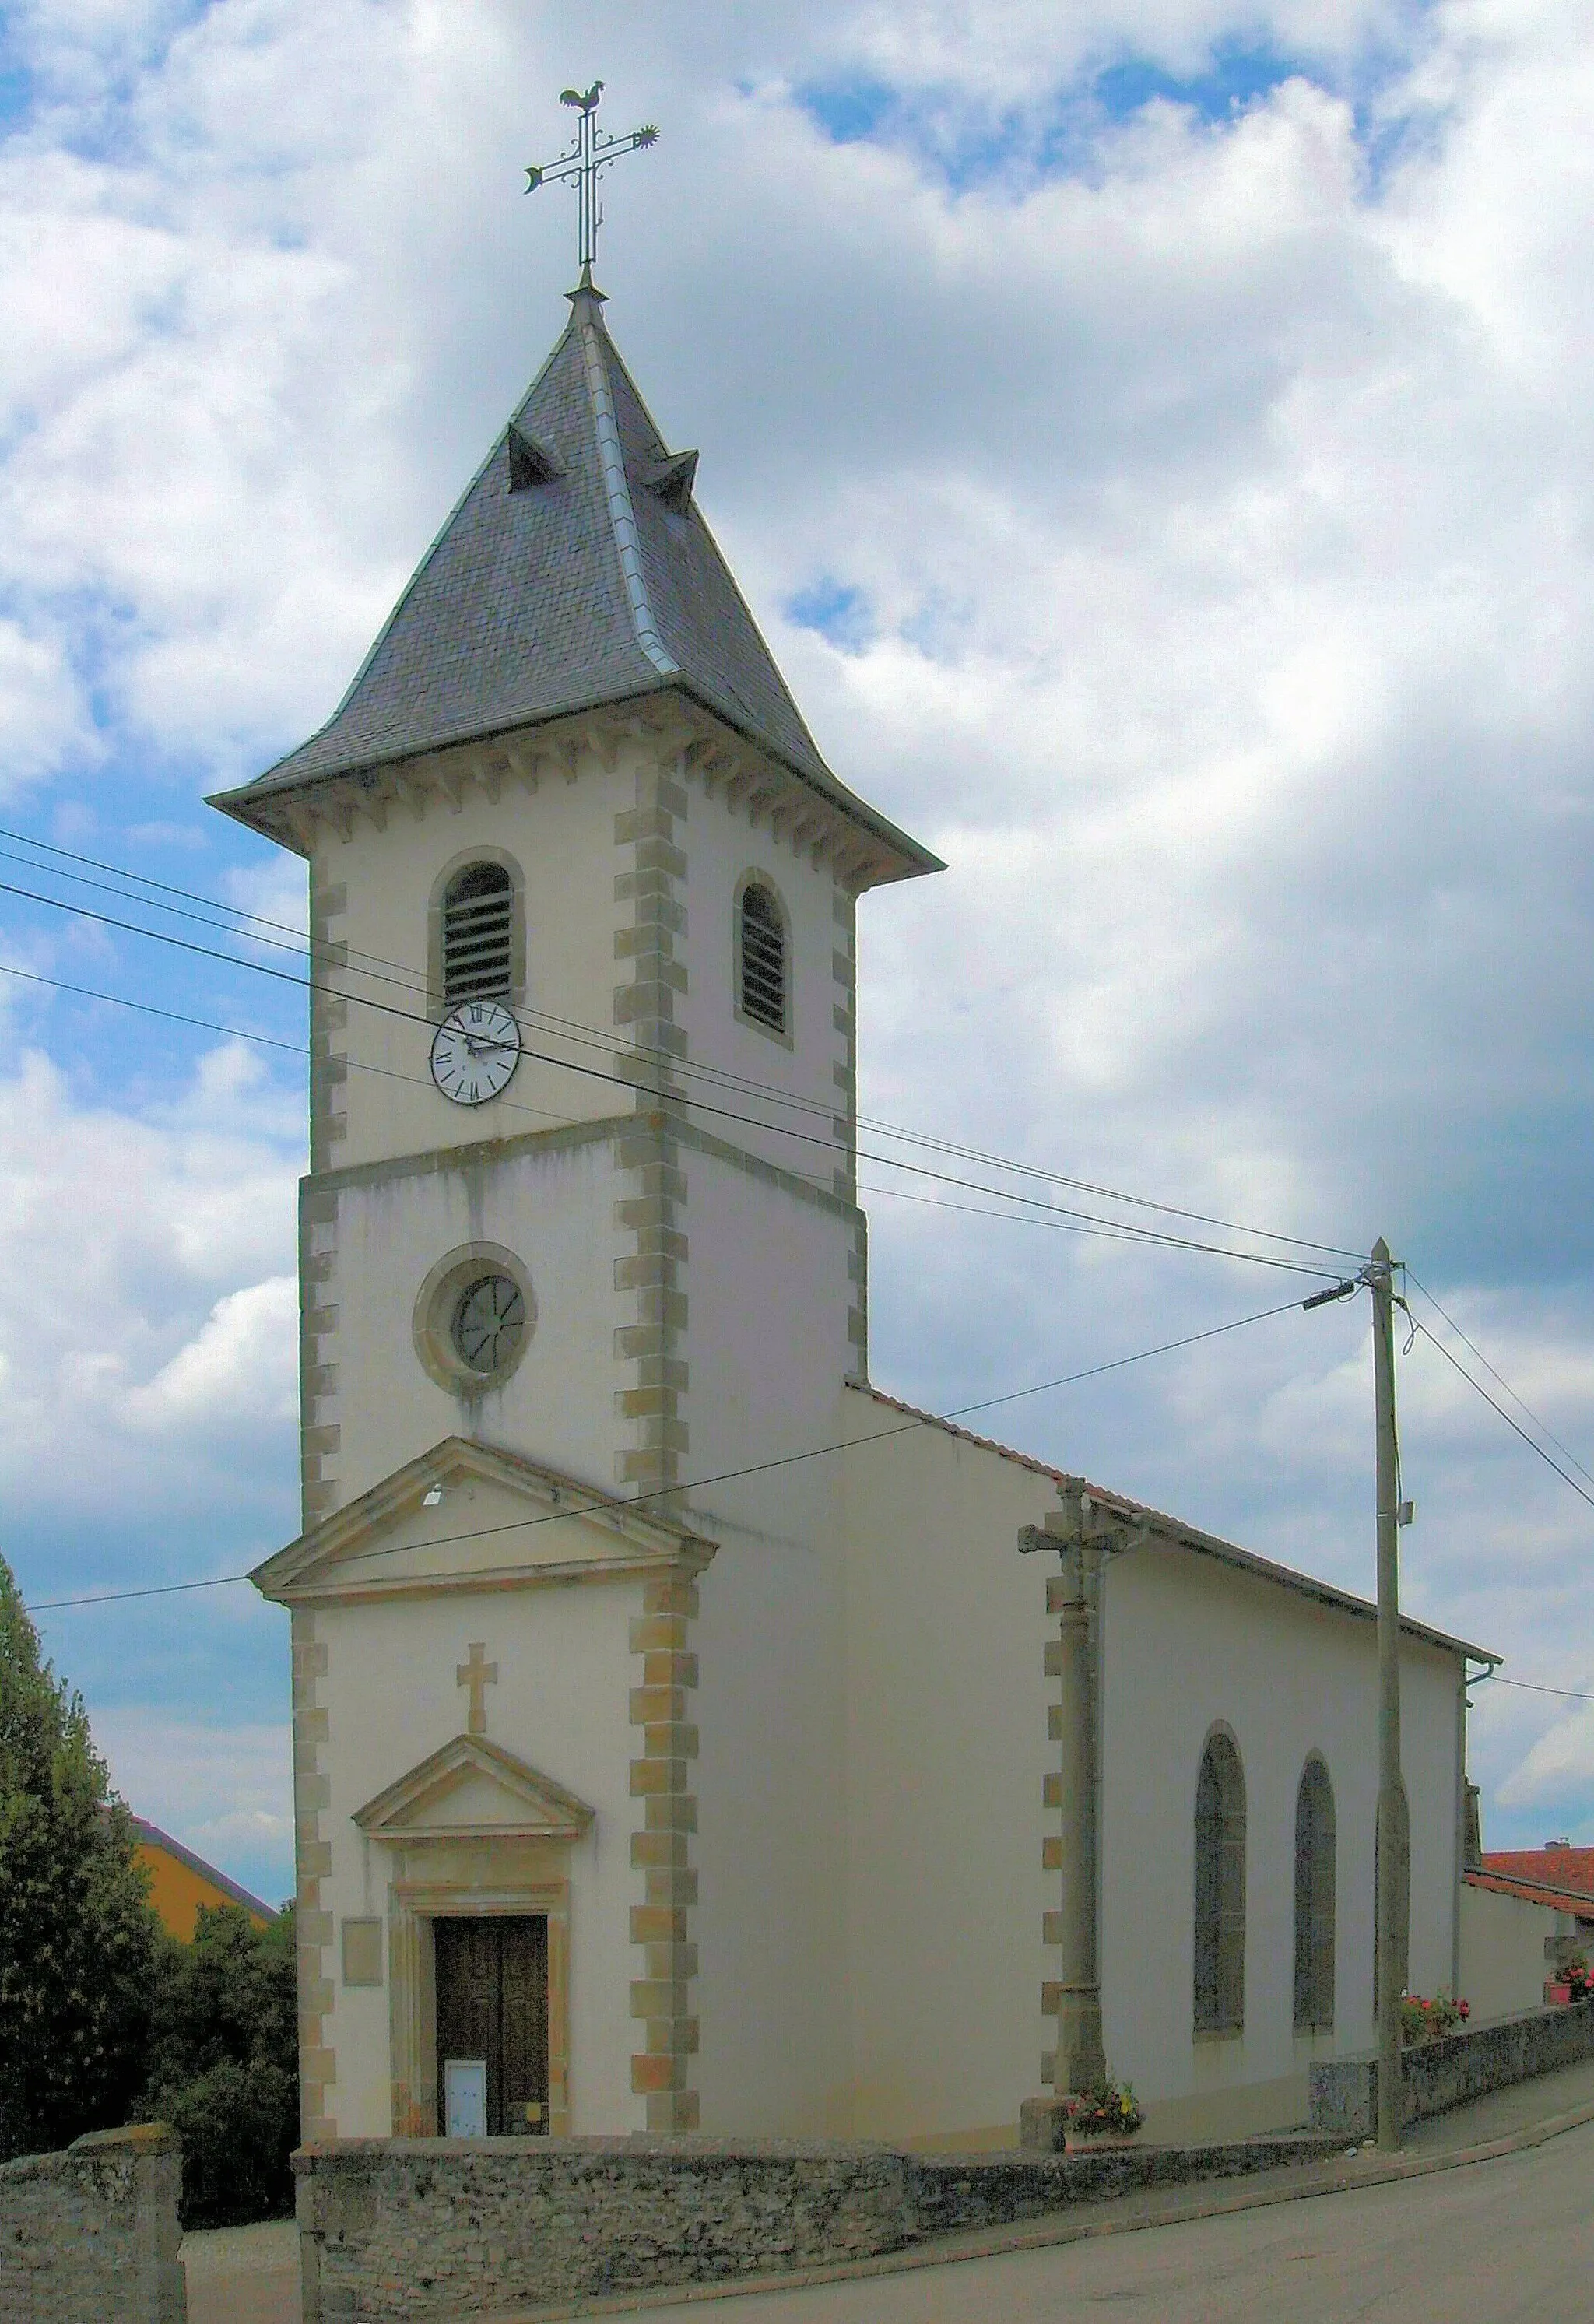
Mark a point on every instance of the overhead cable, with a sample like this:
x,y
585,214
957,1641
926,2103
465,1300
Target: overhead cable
x,y
411,979
1119,1229
613,1501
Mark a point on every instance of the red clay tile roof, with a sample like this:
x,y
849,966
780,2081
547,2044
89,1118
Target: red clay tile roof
x,y
1531,1892
1548,1867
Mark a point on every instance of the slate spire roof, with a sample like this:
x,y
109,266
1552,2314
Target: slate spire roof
x,y
576,571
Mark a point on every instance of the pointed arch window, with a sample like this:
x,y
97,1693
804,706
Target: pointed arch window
x,y
1220,1888
1403,1894
762,970
1314,1900
478,935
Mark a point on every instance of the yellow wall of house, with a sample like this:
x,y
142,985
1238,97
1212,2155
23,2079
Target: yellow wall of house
x,y
176,1890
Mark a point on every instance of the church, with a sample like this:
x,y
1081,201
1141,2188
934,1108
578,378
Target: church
x,y
683,1738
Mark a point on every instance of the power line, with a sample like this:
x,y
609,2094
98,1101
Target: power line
x,y
1042,1217
726,1476
1516,1426
1118,1230
1528,1686
411,980
1499,1377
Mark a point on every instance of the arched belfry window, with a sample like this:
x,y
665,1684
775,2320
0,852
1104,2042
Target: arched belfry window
x,y
1220,1888
1314,1900
478,935
762,971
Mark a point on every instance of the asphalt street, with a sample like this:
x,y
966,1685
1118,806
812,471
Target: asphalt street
x,y
1489,2243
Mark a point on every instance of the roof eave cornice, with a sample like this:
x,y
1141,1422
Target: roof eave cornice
x,y
865,849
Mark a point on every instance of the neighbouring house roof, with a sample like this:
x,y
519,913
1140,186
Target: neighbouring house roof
x,y
575,572
176,1899
1567,1870
1189,1536
1579,1901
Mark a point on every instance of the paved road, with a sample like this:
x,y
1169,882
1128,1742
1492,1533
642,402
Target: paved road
x,y
1490,2242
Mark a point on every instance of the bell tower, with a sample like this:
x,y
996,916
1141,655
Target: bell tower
x,y
582,1275
607,1216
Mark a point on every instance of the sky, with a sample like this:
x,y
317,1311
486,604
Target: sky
x,y
1155,438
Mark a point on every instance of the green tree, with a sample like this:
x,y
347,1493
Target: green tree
x,y
223,2064
77,1935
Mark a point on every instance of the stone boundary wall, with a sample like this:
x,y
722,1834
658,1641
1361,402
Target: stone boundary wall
x,y
409,2229
1438,2075
92,2235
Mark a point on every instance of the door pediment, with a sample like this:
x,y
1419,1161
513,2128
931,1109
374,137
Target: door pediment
x,y
466,1515
473,1789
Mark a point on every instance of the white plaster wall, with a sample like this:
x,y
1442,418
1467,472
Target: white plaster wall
x,y
947,1744
947,1750
1189,1641
767,1302
562,835
554,1210
561,1704
721,845
1505,1953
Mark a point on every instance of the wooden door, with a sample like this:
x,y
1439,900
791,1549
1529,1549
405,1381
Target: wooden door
x,y
492,1989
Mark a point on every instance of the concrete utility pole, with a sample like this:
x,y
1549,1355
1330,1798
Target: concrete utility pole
x,y
1388,1936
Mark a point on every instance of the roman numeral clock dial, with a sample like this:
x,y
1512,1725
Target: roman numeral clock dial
x,y
474,1052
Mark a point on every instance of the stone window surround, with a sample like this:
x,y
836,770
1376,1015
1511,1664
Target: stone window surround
x,y
432,1320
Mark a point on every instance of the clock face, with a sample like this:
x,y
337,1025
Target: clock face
x,y
475,1051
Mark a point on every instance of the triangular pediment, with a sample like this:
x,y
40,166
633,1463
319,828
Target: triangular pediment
x,y
474,1790
466,1515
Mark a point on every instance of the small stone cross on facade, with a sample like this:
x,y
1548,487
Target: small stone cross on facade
x,y
478,1673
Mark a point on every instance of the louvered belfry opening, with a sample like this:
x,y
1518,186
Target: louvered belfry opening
x,y
478,916
1220,1889
763,958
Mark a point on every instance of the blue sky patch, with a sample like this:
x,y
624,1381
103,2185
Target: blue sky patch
x,y
848,111
837,609
967,147
16,94
1238,72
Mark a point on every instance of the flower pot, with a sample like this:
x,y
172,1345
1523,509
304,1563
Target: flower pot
x,y
1099,2142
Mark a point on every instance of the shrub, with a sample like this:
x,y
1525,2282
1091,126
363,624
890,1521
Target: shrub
x,y
77,1939
236,2126
223,2067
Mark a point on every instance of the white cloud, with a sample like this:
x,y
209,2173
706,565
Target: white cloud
x,y
146,1291
242,1369
1560,1767
1223,511
42,716
227,1792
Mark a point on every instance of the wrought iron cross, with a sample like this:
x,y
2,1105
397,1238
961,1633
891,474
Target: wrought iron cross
x,y
591,153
